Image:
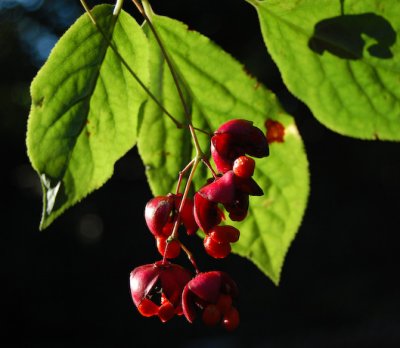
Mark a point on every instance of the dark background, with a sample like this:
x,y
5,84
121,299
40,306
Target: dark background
x,y
68,285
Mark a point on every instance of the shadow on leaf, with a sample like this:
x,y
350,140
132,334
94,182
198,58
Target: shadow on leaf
x,y
342,36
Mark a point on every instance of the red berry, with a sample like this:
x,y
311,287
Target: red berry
x,y
224,303
211,315
244,166
234,139
179,310
166,311
216,250
206,213
148,282
157,213
224,234
231,319
147,308
161,213
204,289
222,190
173,248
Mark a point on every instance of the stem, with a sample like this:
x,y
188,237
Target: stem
x,y
118,7
207,163
123,61
202,131
146,8
190,257
174,233
142,10
181,173
196,162
199,153
146,12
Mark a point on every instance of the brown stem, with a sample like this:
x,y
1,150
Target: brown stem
x,y
190,257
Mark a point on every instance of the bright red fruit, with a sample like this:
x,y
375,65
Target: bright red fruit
x,y
161,213
187,214
206,213
231,191
224,234
147,308
204,290
244,166
155,285
231,319
215,249
173,250
236,138
157,214
166,311
164,289
221,190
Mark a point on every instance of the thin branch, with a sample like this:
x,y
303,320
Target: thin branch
x,y
123,61
167,59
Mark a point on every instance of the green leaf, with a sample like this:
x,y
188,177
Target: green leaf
x,y
218,89
85,108
341,58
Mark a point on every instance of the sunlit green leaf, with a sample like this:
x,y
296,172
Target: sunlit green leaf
x,y
85,107
342,58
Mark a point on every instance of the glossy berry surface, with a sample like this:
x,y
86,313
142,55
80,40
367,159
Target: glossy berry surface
x,y
204,290
161,213
157,214
224,234
244,167
166,311
215,249
206,212
231,319
156,285
147,308
236,138
170,250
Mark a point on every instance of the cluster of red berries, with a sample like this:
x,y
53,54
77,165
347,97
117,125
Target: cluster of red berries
x,y
166,289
